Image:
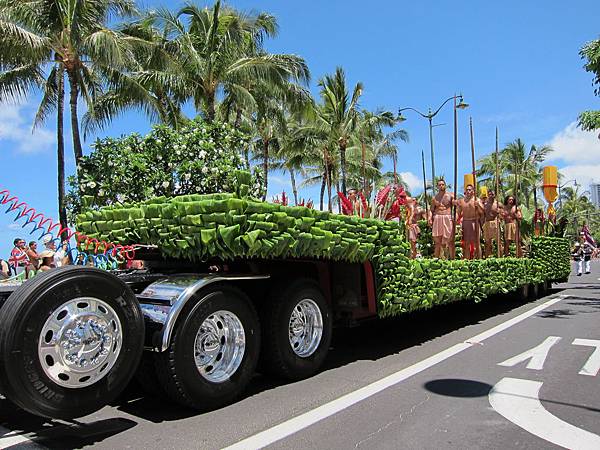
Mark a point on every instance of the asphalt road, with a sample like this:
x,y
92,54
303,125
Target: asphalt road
x,y
499,374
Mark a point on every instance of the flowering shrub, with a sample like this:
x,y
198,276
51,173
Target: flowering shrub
x,y
198,159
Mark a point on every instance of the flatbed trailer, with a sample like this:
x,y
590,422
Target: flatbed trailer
x,y
195,331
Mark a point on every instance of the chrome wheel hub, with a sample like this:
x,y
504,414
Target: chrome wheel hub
x,y
219,346
305,328
80,342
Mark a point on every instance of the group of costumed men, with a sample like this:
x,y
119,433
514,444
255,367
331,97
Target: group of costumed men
x,y
476,214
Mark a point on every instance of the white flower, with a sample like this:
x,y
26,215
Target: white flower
x,y
202,154
205,169
91,185
101,192
165,184
187,176
159,158
178,153
215,170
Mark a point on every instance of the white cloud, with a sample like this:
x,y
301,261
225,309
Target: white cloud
x,y
15,130
414,182
574,146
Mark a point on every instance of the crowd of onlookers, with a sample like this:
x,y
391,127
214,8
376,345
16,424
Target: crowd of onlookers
x,y
26,259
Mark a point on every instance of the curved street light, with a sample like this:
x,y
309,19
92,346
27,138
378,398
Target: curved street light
x,y
429,116
563,185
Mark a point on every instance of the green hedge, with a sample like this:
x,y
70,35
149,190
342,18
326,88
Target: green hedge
x,y
407,285
228,226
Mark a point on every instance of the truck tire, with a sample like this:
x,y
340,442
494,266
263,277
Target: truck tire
x,y
213,352
296,331
70,341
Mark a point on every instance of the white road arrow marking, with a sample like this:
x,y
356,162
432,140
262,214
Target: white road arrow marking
x,y
518,401
537,355
592,365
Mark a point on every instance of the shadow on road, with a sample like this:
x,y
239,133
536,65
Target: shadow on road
x,y
453,387
576,302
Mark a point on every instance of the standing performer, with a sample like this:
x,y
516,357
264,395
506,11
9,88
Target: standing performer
x,y
510,214
441,220
416,213
491,210
587,250
471,210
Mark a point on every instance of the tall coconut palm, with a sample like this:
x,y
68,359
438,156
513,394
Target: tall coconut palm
x,y
340,113
218,49
522,167
135,88
68,39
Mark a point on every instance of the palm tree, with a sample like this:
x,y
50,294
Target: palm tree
x,y
68,38
340,113
214,49
574,206
135,88
519,169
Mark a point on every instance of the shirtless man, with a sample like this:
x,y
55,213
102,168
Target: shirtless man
x,y
491,210
471,210
416,213
441,220
510,214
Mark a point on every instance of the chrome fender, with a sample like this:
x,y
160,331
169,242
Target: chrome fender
x,y
162,302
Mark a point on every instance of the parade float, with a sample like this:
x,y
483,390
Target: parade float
x,y
217,284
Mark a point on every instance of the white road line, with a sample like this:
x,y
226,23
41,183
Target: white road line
x,y
313,416
518,401
592,365
536,355
9,438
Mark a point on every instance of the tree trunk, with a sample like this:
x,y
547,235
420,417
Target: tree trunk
x,y
323,183
238,118
294,189
74,93
210,106
339,201
60,151
266,166
343,166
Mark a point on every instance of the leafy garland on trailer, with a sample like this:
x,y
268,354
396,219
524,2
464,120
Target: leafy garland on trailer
x,y
227,226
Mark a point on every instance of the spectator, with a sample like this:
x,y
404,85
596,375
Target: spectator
x,y
61,256
47,257
3,269
18,257
49,243
34,257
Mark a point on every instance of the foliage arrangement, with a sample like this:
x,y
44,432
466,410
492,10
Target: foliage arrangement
x,y
226,226
552,255
200,157
406,285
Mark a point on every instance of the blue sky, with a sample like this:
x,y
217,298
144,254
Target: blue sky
x,y
515,62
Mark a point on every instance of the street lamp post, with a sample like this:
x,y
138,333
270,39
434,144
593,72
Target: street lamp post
x,y
429,116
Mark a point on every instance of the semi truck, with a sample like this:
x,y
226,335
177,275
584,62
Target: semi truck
x,y
220,287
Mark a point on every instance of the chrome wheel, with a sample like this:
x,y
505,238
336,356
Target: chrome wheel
x,y
219,346
305,328
80,342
